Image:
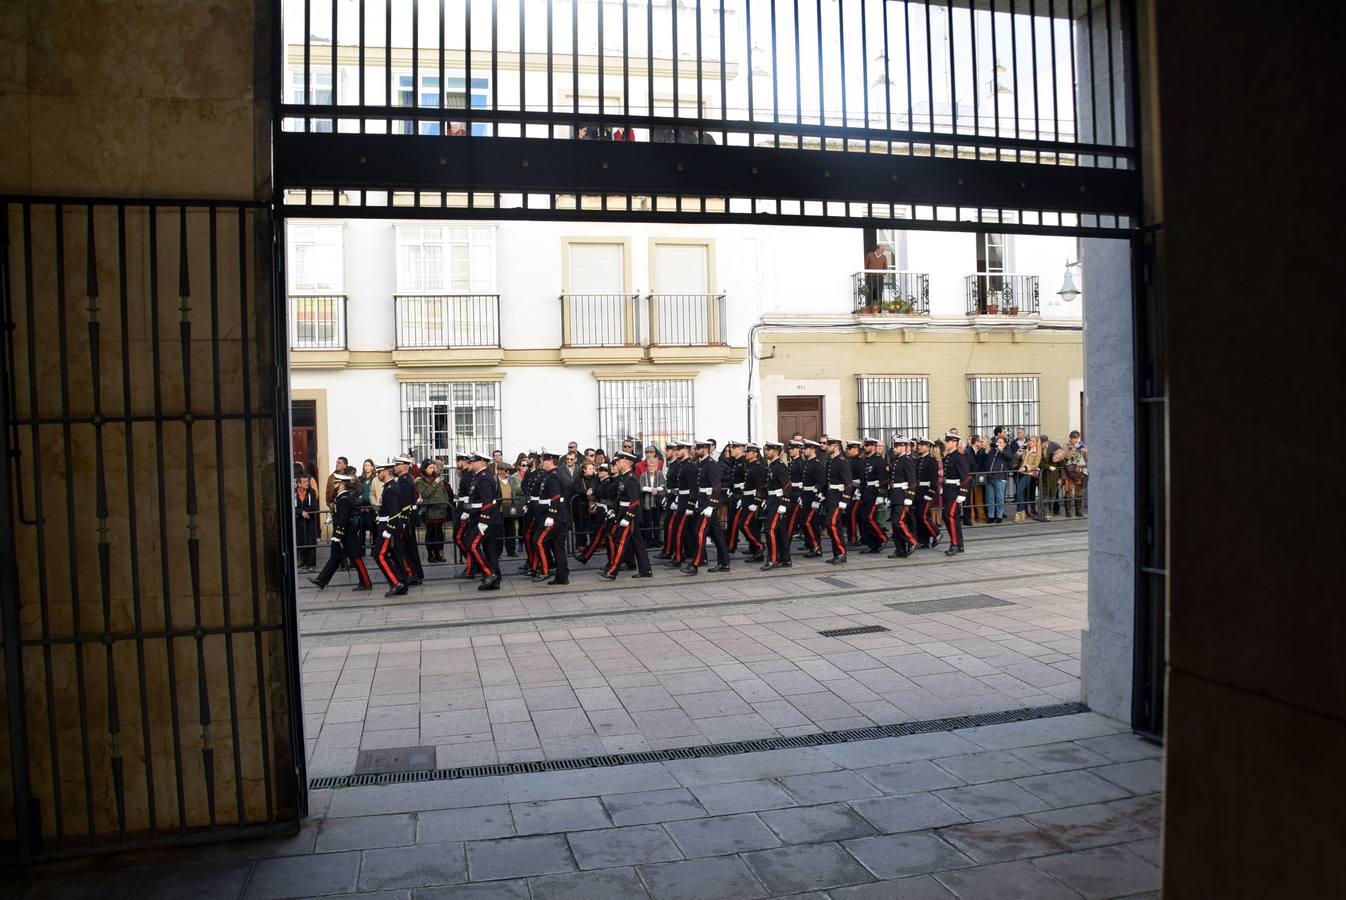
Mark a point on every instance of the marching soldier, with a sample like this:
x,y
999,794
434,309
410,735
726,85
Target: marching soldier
x,y
531,487
346,543
812,491
603,512
796,469
687,502
460,536
777,508
873,471
927,473
852,516
484,522
957,483
754,483
406,523
672,514
736,471
705,475
389,552
902,497
554,516
839,487
626,537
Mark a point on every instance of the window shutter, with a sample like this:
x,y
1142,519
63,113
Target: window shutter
x,y
596,269
681,269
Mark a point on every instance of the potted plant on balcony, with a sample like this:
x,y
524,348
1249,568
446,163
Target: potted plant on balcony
x,y
1012,310
889,306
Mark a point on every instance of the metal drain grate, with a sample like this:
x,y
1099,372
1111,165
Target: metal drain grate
x,y
834,581
948,604
847,632
709,751
395,759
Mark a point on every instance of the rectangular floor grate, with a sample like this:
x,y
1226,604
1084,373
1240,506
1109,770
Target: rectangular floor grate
x,y
395,759
834,581
709,751
847,632
948,604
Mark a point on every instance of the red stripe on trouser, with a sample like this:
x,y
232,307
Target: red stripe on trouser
x,y
902,523
462,545
700,541
600,536
809,531
668,534
883,535
364,573
621,548
752,539
386,569
677,545
542,550
794,517
528,543
733,529
486,570
832,530
951,517
771,534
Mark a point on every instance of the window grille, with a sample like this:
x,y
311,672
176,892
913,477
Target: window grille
x,y
442,419
890,406
1008,400
653,411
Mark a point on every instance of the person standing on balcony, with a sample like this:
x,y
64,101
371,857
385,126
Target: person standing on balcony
x,y
435,499
877,265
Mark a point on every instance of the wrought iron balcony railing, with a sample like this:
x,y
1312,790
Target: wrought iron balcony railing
x,y
999,294
447,321
654,320
890,292
686,320
317,322
600,320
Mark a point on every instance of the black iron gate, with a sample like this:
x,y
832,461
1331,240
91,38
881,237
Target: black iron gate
x,y
150,661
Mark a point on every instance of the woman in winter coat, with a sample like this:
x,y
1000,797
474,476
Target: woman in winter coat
x,y
371,495
999,461
306,524
1029,469
435,496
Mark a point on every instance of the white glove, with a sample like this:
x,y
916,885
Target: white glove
x,y
647,489
387,536
464,517
336,540
623,523
906,502
959,499
815,505
548,522
782,510
842,504
752,507
708,511
481,526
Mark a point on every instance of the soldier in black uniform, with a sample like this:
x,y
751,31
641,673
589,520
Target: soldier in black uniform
x,y
777,506
531,489
346,543
687,506
812,489
902,497
839,487
483,507
672,473
873,472
957,483
754,483
389,552
602,515
411,551
795,449
705,510
460,536
927,473
733,490
852,516
628,543
553,518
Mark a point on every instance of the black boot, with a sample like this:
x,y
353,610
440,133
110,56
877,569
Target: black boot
x,y
722,567
317,582
490,584
952,551
557,579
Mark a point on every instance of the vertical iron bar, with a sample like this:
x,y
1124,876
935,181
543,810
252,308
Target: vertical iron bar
x,y
1074,82
930,74
747,41
361,54
387,62
308,83
601,51
495,67
1056,106
799,77
822,104
700,93
1014,75
976,82
864,68
334,64
724,84
995,77
10,623
906,43
161,492
415,86
523,66
575,72
1093,87
1037,95
649,59
551,88
841,59
442,93
953,84
467,66
1112,85
673,12
626,60
775,75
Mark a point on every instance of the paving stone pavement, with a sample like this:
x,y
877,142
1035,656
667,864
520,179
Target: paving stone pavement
x,y
684,661
882,819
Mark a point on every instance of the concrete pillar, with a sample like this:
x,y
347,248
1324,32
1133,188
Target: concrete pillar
x,y
1109,420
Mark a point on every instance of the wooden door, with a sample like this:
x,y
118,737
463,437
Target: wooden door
x,y
799,414
303,449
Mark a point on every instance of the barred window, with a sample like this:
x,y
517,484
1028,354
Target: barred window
x,y
441,419
891,405
1008,400
652,411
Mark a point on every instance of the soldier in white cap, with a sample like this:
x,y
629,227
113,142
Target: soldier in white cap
x,y
406,534
346,543
483,506
388,552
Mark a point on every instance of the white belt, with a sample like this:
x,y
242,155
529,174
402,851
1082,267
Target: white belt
x,y
837,487
871,483
899,484
739,486
474,506
684,492
775,493
952,481
382,519
810,490
923,483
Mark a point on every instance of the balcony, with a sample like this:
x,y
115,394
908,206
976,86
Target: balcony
x,y
318,330
888,292
658,328
996,297
447,329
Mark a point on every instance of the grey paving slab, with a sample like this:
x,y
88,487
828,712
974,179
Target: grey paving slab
x,y
1075,787
1102,872
741,796
808,824
519,857
587,783
1094,825
632,845
1142,776
1060,757
607,884
1121,747
473,824
912,853
920,887
1005,881
303,876
500,890
364,832
721,835
200,881
424,865
992,800
887,751
1040,731
415,797
806,867
988,765
552,816
1000,840
725,878
750,766
911,812
909,777
645,807
826,787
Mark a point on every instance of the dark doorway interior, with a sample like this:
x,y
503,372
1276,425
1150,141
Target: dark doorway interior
x,y
303,436
799,414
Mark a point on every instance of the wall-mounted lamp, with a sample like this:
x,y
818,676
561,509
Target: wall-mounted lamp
x,y
1069,293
